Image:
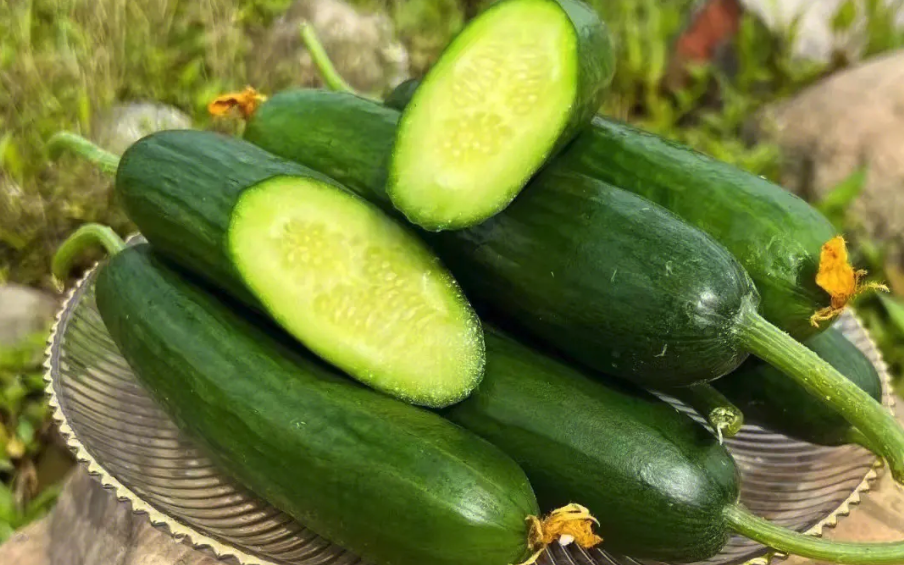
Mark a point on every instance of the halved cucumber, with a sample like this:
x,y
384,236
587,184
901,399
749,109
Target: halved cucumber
x,y
349,282
507,93
356,288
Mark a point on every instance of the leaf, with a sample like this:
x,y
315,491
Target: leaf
x,y
837,201
844,17
42,502
34,382
894,307
8,512
11,397
15,448
84,110
10,159
26,432
6,531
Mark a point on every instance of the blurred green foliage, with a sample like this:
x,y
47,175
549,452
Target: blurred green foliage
x,y
63,63
27,487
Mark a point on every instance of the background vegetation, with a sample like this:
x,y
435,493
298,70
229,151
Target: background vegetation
x,y
64,63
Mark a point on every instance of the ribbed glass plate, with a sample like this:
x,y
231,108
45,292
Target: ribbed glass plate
x,y
124,439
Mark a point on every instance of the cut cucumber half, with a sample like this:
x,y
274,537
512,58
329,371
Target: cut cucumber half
x,y
358,289
508,92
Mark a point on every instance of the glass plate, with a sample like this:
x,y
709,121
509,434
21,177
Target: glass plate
x,y
127,443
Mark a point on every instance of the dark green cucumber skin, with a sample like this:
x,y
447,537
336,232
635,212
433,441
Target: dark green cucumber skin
x,y
346,137
769,398
616,283
574,261
179,188
596,64
395,484
775,235
657,481
400,96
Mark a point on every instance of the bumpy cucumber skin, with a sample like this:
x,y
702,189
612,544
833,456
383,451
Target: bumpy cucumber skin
x,y
179,188
343,136
657,481
595,59
572,259
579,264
775,235
769,398
399,96
396,484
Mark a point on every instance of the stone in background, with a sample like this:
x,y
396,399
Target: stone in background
x,y
849,119
124,124
363,47
24,312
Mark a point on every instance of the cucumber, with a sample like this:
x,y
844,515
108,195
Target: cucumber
x,y
399,97
600,274
725,418
772,400
661,486
391,482
515,85
775,235
352,285
656,480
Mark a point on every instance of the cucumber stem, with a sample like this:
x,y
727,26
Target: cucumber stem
x,y
824,382
787,541
64,140
724,417
83,238
325,67
854,436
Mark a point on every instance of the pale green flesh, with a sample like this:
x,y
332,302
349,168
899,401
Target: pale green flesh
x,y
357,289
487,115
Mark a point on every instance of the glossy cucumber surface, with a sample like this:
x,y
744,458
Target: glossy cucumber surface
x,y
394,483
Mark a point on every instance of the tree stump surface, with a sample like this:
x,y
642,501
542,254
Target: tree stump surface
x,y
89,526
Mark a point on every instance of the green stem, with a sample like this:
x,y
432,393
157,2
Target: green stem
x,y
331,76
84,238
787,541
726,418
64,140
855,437
824,382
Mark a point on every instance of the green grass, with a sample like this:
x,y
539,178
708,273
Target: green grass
x,y
30,465
64,63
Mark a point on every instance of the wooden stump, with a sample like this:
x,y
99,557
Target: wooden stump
x,y
90,527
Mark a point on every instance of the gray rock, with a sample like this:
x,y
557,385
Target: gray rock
x,y
852,118
125,124
23,312
362,46
815,38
